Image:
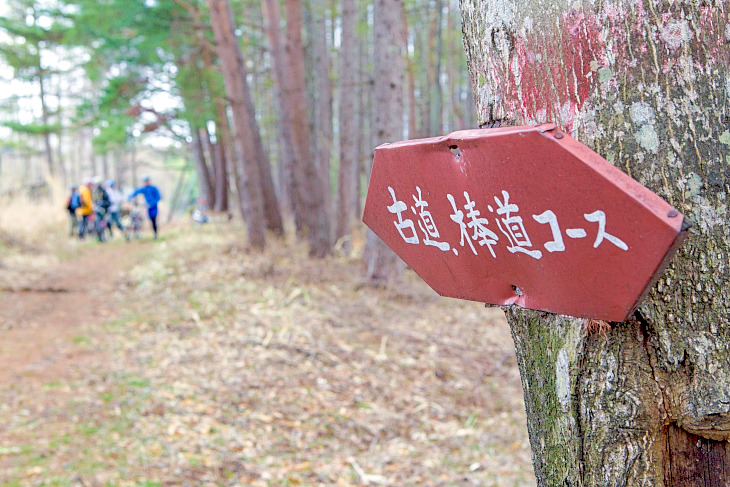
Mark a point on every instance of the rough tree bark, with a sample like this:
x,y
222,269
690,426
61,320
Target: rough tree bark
x,y
310,184
244,121
205,179
219,172
435,50
322,97
364,112
349,92
275,36
646,83
381,262
45,117
410,67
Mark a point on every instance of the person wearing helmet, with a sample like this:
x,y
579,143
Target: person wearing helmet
x,y
72,203
101,208
152,197
115,206
87,207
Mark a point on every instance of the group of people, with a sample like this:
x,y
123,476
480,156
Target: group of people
x,y
95,207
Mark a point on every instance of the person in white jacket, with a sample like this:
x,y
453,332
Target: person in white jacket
x,y
115,198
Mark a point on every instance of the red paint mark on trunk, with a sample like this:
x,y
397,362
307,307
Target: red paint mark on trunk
x,y
552,79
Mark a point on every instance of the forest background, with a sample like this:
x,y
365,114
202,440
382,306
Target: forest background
x,y
263,110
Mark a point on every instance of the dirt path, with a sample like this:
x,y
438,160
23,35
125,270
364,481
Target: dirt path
x,y
235,368
43,325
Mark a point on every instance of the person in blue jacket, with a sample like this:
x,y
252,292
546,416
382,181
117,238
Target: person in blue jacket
x,y
151,196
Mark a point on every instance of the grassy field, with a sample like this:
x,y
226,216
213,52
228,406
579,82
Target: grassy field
x,y
191,361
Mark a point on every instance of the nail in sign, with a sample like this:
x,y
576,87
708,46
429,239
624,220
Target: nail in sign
x,y
525,216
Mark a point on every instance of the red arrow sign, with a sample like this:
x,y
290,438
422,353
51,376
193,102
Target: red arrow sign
x,y
522,215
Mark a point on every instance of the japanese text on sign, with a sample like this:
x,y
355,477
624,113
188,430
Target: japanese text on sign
x,y
474,227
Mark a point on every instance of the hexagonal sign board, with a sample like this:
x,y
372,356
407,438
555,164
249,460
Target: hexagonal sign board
x,y
522,216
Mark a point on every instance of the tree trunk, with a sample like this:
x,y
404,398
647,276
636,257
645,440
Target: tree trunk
x,y
59,135
646,84
207,156
205,179
423,74
78,155
455,117
434,80
133,163
410,77
349,131
104,166
321,108
222,189
272,213
310,187
244,120
120,168
218,173
380,261
46,122
272,25
365,112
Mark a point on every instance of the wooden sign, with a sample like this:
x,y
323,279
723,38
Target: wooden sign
x,y
522,216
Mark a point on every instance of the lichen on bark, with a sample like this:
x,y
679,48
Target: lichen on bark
x,y
646,84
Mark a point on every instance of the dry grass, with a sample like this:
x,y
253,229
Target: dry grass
x,y
31,236
31,221
230,368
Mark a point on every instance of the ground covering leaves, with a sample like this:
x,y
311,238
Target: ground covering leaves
x,y
226,367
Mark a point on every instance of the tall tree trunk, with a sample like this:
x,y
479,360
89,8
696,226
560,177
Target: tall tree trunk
x,y
223,142
218,173
208,157
272,25
272,212
244,120
365,113
435,116
46,122
205,179
221,174
423,75
105,166
646,85
349,131
455,117
411,78
116,164
120,168
133,163
274,221
321,109
59,135
310,187
78,155
93,163
380,261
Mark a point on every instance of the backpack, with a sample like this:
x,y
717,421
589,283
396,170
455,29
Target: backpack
x,y
103,198
74,201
